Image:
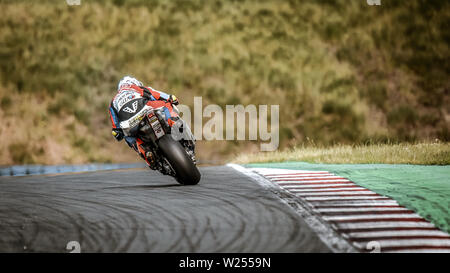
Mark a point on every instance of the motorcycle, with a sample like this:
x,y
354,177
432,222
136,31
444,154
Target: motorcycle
x,y
173,147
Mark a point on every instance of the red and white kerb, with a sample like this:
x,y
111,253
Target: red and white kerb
x,y
359,214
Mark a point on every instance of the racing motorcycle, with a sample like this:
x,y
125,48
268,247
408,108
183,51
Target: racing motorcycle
x,y
173,147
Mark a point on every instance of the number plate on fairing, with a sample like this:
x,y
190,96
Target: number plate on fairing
x,y
156,125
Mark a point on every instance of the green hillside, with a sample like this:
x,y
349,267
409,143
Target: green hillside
x,y
341,71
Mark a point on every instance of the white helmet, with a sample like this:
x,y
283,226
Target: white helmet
x,y
127,81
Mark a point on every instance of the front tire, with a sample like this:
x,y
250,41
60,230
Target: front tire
x,y
186,171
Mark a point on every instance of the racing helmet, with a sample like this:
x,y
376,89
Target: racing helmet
x,y
127,81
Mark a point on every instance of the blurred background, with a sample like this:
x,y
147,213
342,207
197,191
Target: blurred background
x,y
341,71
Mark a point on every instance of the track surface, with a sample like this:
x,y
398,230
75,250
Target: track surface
x,y
142,211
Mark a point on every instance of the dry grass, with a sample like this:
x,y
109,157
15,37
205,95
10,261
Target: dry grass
x,y
341,71
419,153
30,135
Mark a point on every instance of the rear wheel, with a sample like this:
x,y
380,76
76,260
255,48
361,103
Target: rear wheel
x,y
186,171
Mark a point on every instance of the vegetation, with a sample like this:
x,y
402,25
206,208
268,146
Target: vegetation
x,y
403,153
341,71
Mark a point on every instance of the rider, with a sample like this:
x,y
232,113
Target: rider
x,y
129,87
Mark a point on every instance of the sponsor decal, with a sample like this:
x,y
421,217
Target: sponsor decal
x,y
131,110
124,97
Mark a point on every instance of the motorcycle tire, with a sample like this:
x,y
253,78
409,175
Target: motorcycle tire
x,y
186,171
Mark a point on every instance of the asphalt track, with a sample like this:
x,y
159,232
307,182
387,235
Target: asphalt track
x,y
142,211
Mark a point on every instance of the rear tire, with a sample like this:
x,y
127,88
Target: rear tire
x,y
186,171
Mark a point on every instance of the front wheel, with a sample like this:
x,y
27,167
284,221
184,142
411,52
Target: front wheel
x,y
186,171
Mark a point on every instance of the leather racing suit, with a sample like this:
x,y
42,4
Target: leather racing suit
x,y
155,99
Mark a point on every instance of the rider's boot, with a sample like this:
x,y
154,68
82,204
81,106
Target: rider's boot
x,y
150,159
148,156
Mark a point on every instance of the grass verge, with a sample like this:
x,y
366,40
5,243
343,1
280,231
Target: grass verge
x,y
404,153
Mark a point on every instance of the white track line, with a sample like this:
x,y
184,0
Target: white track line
x,y
295,188
354,203
273,172
370,217
294,181
339,193
408,243
316,178
346,210
345,198
270,172
331,178
321,186
312,189
422,250
314,185
396,233
384,224
325,175
371,203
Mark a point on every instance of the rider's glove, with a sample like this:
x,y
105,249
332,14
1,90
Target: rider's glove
x,y
173,100
117,133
